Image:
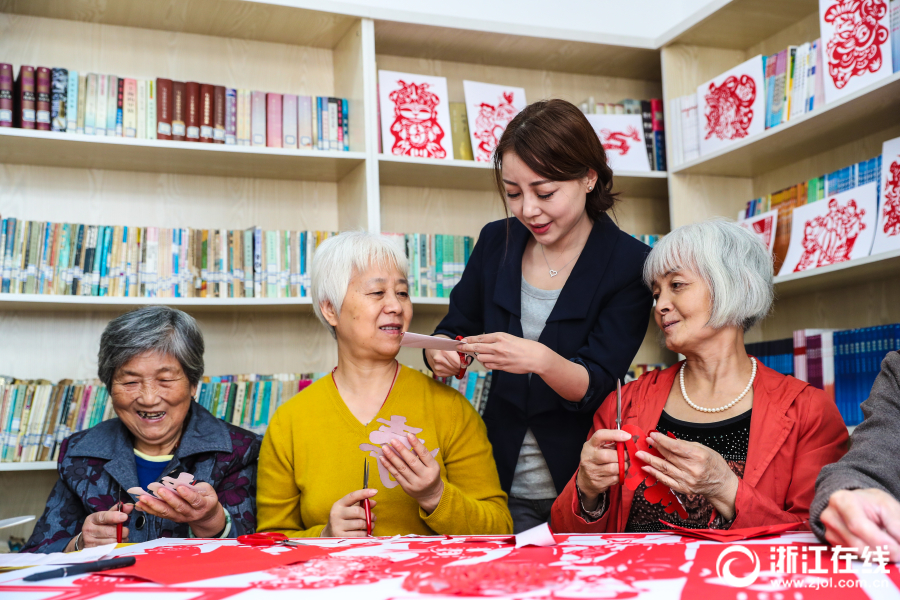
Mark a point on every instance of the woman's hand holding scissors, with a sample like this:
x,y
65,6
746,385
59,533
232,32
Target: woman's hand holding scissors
x,y
443,362
599,467
347,518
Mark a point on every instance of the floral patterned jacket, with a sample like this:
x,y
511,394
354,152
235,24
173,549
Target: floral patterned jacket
x,y
96,466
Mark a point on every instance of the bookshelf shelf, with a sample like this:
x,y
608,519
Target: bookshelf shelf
x,y
471,175
52,149
39,302
46,465
868,268
869,110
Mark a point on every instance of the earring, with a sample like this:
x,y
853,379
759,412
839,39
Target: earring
x,y
590,188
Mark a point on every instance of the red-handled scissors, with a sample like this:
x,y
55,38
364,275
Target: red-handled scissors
x,y
620,446
365,501
464,360
270,538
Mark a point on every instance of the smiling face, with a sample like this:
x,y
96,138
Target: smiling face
x,y
549,209
682,311
151,395
376,312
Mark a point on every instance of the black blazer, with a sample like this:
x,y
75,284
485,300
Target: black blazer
x,y
599,321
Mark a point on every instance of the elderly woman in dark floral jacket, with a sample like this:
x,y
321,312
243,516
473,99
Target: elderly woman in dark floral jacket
x,y
151,360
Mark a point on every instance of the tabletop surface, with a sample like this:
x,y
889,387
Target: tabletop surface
x,y
788,567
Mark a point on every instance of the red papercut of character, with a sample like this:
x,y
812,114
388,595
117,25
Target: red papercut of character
x,y
415,128
617,141
763,228
729,108
855,46
490,123
656,492
892,201
395,429
830,238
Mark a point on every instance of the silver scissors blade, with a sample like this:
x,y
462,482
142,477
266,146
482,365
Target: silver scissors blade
x,y
365,473
15,521
618,404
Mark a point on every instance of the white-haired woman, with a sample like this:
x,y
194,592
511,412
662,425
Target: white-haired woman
x,y
750,441
431,463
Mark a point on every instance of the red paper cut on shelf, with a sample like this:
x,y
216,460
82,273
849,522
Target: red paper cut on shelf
x,y
734,535
181,564
656,492
167,482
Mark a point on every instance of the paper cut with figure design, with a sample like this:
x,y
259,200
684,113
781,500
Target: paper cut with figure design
x,y
166,482
836,229
622,137
489,108
415,115
732,106
395,429
887,233
656,492
763,226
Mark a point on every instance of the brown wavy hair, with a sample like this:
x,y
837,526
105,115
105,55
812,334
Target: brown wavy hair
x,y
556,141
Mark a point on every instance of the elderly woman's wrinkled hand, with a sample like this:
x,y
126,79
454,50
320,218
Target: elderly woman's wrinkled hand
x,y
692,468
100,527
417,472
863,518
196,505
599,466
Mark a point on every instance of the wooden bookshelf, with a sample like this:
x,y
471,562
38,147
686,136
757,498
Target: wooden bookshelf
x,y
47,465
867,268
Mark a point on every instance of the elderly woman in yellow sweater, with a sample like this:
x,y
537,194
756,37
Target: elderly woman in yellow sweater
x,y
435,469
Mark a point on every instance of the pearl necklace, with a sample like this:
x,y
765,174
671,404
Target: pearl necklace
x,y
721,408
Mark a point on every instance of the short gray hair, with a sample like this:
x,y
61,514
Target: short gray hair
x,y
155,329
339,257
732,261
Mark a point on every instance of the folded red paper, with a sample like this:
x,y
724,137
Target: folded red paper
x,y
181,564
734,535
655,491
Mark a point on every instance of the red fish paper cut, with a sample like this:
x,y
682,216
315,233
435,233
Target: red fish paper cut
x,y
655,492
166,482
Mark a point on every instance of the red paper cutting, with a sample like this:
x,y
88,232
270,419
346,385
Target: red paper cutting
x,y
734,535
180,564
655,492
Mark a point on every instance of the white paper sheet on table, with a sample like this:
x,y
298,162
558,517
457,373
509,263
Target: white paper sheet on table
x,y
38,561
536,536
417,340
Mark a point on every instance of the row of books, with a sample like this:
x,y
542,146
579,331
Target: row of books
x,y
36,415
651,112
843,363
436,261
648,238
107,105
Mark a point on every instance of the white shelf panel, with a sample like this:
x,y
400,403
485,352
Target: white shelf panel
x,y
47,465
54,149
39,302
471,175
886,264
866,111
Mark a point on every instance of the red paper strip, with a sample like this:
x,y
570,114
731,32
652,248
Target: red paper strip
x,y
180,564
734,535
655,492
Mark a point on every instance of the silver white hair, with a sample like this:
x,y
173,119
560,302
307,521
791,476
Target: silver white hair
x,y
151,329
338,258
734,264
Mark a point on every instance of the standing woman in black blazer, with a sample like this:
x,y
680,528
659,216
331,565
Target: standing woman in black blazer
x,y
552,300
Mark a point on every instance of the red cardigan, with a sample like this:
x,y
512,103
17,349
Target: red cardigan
x,y
795,430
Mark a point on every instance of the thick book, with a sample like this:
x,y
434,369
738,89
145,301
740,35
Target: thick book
x,y
345,123
258,118
332,105
659,134
243,120
647,121
102,105
178,114
42,98
112,105
192,111
219,110
151,110
7,88
71,102
23,116
120,108
163,109
304,122
273,120
289,121
141,118
775,88
207,112
82,102
459,132
59,88
231,118
130,108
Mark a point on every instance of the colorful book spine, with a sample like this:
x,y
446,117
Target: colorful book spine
x,y
120,108
130,109
274,127
164,109
71,102
151,123
207,112
258,118
24,114
42,86
112,105
59,88
178,108
304,122
231,116
192,110
101,104
141,117
219,110
7,89
289,121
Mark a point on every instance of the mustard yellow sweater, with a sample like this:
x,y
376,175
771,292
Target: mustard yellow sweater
x,y
314,448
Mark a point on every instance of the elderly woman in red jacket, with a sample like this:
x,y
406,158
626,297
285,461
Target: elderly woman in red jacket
x,y
750,441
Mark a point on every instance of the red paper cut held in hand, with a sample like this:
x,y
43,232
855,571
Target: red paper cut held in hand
x,y
174,565
655,492
734,535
